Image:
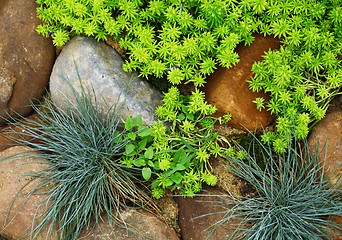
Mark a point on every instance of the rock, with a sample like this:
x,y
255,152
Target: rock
x,y
328,131
229,91
169,213
196,229
100,66
230,182
26,58
9,136
141,221
12,179
336,235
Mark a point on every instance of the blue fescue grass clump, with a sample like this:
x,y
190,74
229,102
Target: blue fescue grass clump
x,y
293,196
83,179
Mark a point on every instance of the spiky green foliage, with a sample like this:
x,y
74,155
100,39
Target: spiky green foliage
x,y
178,157
83,179
293,197
198,35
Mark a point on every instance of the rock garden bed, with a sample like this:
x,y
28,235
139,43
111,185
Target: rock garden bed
x,y
171,120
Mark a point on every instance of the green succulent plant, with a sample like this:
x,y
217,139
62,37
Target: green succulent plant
x,y
177,157
184,42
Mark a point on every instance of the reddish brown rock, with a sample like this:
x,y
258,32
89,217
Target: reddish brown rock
x,y
327,134
327,137
196,229
143,222
12,180
336,235
228,89
9,136
26,58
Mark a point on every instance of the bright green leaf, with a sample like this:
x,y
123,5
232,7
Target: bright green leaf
x,y
132,135
129,123
146,173
149,153
155,183
129,148
190,116
168,182
181,117
179,155
176,177
139,162
142,143
137,121
145,132
150,163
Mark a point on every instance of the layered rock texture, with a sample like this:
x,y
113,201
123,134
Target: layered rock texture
x,y
26,58
16,217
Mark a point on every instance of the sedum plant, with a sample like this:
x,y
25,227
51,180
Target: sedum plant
x,y
183,40
293,196
177,157
81,146
186,41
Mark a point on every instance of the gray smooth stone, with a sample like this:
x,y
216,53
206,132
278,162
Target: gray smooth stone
x,y
100,67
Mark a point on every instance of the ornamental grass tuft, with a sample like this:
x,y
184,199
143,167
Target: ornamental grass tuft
x,y
293,199
82,147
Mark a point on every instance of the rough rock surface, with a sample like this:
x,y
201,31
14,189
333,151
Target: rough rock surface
x,y
26,57
143,222
230,182
228,89
9,138
100,66
328,131
195,229
12,179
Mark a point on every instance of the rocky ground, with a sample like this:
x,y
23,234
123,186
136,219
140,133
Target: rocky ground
x,y
29,67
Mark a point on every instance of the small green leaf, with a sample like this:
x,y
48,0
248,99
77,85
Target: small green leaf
x,y
150,163
181,117
146,173
145,132
168,182
137,121
190,116
142,143
181,167
155,183
132,135
185,109
139,162
179,155
118,137
129,123
129,148
149,153
176,177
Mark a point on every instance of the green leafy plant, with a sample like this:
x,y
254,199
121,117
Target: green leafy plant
x,y
158,35
305,73
81,146
177,157
293,196
186,41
